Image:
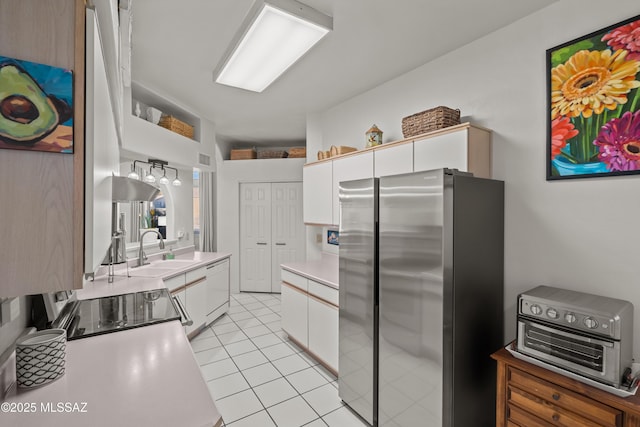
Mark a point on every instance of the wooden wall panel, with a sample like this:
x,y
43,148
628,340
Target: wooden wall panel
x,y
41,206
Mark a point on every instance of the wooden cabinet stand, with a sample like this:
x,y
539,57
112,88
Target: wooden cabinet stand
x,y
531,396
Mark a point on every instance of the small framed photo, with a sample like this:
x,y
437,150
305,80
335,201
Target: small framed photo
x,y
333,237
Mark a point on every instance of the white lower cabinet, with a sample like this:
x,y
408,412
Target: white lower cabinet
x,y
197,303
323,331
309,315
204,293
294,313
217,290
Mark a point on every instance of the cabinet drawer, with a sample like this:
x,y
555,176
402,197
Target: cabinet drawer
x,y
193,275
550,401
324,292
175,282
519,417
294,279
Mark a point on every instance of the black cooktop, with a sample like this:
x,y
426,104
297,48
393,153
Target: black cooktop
x,y
119,312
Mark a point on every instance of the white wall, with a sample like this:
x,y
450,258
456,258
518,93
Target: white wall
x,y
577,234
229,176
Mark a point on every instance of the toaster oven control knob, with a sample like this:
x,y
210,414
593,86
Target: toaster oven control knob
x,y
570,317
536,309
590,322
552,313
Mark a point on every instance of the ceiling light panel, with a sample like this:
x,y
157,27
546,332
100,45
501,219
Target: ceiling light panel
x,y
275,40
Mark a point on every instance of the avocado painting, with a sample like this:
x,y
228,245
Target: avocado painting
x,y
36,110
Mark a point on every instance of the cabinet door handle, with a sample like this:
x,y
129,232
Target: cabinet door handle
x,y
281,244
262,243
185,319
556,396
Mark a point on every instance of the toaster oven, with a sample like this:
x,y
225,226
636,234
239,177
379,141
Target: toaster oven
x,y
586,334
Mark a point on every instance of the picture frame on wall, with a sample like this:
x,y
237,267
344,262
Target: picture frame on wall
x,y
593,99
36,106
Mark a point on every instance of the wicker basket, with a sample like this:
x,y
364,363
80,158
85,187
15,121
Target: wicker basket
x,y
428,120
297,152
341,149
244,154
323,155
272,154
175,125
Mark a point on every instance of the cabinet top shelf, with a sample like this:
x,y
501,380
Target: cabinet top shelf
x,y
411,139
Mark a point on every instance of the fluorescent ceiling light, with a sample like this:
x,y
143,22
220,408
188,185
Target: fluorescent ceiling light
x,y
275,36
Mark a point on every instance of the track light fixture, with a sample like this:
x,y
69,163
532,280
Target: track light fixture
x,y
150,178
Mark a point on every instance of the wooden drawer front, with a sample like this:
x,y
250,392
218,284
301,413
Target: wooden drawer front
x,y
194,275
521,418
294,279
551,396
324,292
547,411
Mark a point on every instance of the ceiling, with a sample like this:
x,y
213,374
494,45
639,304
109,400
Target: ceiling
x,y
177,44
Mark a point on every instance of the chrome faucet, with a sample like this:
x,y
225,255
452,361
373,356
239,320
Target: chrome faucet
x,y
141,256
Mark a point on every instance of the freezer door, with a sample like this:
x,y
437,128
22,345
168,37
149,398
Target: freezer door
x,y
358,283
411,299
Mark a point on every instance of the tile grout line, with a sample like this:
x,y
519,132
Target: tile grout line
x,y
240,371
289,382
250,299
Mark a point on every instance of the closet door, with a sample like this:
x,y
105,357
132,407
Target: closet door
x,y
255,237
287,230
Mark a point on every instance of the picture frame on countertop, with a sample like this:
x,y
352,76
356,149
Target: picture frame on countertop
x,y
593,104
333,237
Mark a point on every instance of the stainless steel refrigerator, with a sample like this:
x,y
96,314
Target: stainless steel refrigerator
x,y
421,298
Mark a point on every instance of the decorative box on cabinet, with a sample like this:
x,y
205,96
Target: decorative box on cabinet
x,y
531,396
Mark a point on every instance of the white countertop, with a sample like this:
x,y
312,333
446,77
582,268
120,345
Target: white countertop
x,y
324,270
144,376
148,277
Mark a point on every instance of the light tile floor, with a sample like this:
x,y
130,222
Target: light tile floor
x,y
257,377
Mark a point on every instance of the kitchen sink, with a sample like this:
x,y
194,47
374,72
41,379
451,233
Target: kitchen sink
x,y
150,271
172,263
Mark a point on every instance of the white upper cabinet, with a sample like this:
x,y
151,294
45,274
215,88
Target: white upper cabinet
x,y
348,168
465,148
393,160
317,193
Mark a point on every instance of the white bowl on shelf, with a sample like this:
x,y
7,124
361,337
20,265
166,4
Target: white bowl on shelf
x,y
153,115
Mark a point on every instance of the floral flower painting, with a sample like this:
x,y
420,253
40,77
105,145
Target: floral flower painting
x,y
594,104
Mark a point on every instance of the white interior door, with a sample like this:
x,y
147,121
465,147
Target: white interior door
x,y
255,237
287,231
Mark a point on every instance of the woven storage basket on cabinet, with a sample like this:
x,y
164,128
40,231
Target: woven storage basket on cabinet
x,y
245,154
428,120
297,152
272,154
175,125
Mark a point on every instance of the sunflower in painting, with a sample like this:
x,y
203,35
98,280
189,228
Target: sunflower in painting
x,y
589,82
